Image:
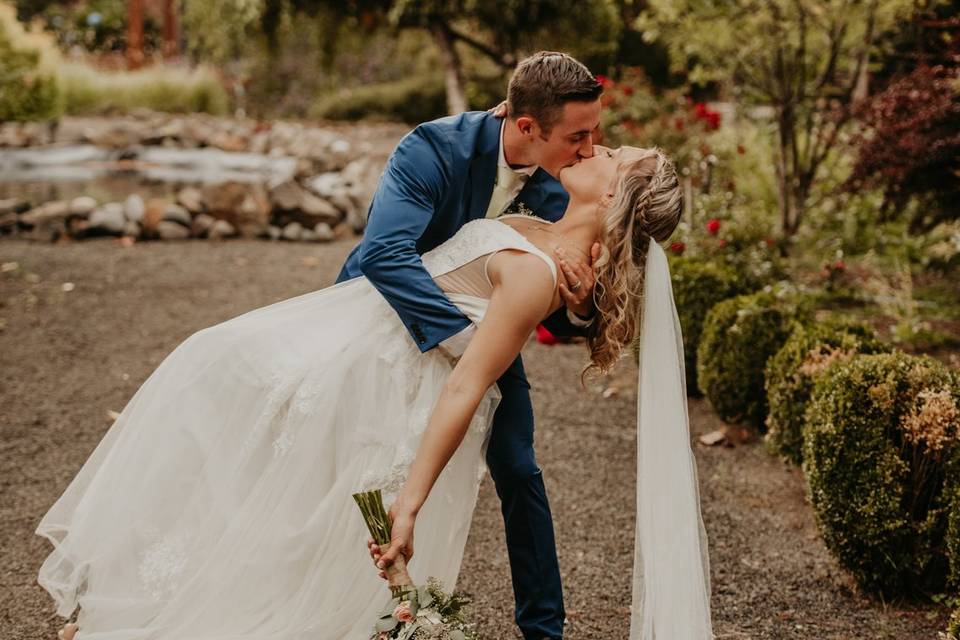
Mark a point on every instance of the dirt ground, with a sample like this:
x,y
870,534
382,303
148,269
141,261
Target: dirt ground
x,y
69,354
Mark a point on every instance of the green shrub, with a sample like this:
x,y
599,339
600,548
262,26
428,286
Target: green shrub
x,y
417,99
26,92
953,532
739,335
880,441
790,376
170,89
953,627
697,286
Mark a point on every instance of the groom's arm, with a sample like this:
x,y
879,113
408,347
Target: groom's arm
x,y
412,187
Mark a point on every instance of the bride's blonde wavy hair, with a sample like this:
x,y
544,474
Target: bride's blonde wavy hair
x,y
647,204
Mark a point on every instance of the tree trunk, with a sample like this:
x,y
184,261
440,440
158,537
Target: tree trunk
x,y
452,72
134,34
170,29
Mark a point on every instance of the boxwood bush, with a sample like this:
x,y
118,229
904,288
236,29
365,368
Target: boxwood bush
x,y
880,444
790,374
739,336
697,286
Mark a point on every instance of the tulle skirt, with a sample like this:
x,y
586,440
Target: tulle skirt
x,y
218,504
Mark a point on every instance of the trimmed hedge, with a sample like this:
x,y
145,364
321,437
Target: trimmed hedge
x,y
697,287
739,336
880,444
791,372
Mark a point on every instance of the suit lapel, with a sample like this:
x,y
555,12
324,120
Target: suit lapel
x,y
483,168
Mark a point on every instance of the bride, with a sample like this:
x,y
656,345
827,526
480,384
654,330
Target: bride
x,y
218,505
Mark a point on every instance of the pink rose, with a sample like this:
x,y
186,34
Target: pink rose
x,y
402,612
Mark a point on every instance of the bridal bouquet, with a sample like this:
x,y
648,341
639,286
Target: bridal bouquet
x,y
413,612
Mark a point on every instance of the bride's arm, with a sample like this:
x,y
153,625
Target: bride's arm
x,y
516,305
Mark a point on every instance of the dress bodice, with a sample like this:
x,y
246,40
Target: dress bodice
x,y
459,265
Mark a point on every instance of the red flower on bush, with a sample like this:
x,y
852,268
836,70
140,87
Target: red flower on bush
x,y
678,248
678,124
713,226
604,81
628,90
721,243
702,112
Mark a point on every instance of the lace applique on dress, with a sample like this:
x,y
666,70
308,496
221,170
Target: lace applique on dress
x,y
163,563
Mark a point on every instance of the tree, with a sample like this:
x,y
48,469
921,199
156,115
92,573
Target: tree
x,y
807,59
499,32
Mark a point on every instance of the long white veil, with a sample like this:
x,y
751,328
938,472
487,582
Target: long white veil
x,y
671,570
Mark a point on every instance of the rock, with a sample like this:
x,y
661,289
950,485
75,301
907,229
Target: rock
x,y
191,199
108,218
170,230
13,205
291,197
326,184
222,229
50,231
323,232
134,207
132,229
307,235
82,206
153,212
176,213
342,231
202,223
245,206
292,231
9,222
47,213
274,232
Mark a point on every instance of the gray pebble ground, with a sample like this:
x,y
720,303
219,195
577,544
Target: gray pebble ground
x,y
67,357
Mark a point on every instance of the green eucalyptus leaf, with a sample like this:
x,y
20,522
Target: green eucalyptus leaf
x,y
387,624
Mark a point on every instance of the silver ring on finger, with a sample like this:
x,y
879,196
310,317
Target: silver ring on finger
x,y
576,286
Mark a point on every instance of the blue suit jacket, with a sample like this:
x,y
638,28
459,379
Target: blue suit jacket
x,y
439,177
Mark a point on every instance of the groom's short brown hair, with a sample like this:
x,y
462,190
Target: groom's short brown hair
x,y
544,82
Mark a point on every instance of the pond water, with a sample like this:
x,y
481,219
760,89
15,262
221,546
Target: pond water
x,y
60,173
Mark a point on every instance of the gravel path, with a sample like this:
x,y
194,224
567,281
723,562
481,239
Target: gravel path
x,y
67,357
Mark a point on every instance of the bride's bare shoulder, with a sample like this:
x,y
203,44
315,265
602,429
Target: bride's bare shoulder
x,y
524,275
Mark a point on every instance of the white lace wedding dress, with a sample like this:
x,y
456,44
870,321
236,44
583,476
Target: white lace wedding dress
x,y
218,505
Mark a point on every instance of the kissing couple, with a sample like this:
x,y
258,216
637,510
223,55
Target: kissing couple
x,y
218,504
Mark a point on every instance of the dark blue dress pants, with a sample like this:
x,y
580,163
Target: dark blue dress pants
x,y
531,545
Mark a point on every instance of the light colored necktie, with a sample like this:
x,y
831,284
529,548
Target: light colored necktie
x,y
504,190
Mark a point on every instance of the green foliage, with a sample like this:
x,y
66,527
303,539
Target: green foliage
x,y
790,375
221,31
953,626
26,92
739,335
413,100
697,286
880,443
953,532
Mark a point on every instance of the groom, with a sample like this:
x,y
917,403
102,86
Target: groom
x,y
442,175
